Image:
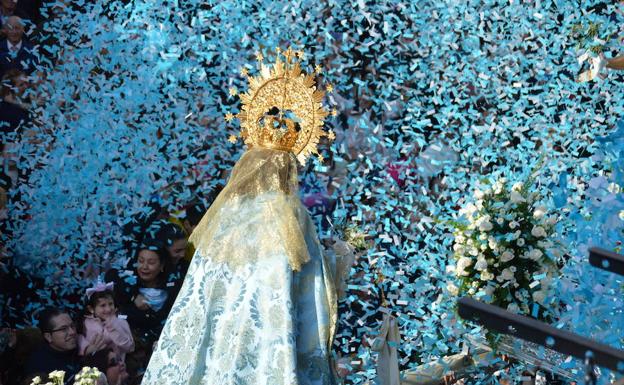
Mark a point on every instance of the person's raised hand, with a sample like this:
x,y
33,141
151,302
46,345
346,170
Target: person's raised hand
x,y
141,303
96,344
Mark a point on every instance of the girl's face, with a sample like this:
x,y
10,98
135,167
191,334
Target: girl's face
x,y
177,250
104,308
149,266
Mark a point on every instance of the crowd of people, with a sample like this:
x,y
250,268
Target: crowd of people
x,y
120,319
19,53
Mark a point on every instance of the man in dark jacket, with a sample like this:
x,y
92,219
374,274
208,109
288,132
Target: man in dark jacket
x,y
60,350
15,51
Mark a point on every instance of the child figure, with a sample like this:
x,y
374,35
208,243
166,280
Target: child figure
x,y
102,328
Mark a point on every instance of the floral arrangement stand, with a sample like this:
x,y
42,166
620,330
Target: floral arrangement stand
x,y
506,248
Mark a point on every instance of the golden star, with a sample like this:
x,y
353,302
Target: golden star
x,y
331,135
334,112
330,88
229,116
288,54
244,71
259,56
233,91
320,158
300,54
232,139
318,69
278,50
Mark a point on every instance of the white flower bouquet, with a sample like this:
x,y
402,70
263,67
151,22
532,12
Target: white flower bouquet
x,y
505,248
87,376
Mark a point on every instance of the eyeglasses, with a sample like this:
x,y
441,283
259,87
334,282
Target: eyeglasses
x,y
65,329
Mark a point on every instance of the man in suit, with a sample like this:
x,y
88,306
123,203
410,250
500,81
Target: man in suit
x,y
15,51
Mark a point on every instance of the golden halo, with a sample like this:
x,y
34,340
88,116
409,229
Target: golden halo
x,y
286,87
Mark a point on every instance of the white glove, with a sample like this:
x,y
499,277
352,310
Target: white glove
x,y
599,65
598,69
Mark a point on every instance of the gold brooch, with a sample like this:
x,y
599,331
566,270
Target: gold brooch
x,y
282,109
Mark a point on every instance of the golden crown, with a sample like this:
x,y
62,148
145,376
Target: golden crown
x,y
282,109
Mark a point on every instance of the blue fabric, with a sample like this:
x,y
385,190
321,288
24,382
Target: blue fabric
x,y
255,323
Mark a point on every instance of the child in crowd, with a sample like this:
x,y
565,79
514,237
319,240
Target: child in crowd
x,y
102,328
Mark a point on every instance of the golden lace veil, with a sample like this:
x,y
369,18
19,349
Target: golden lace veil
x,y
261,171
281,119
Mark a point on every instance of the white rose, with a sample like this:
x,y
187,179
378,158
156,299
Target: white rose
x,y
621,215
57,375
485,224
36,380
539,212
538,231
459,238
473,251
486,276
462,264
501,220
479,194
520,242
516,197
481,264
499,185
459,249
492,243
507,275
539,296
516,235
516,186
469,210
535,254
452,289
507,256
512,307
513,224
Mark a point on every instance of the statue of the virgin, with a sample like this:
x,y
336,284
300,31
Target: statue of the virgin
x,y
258,305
